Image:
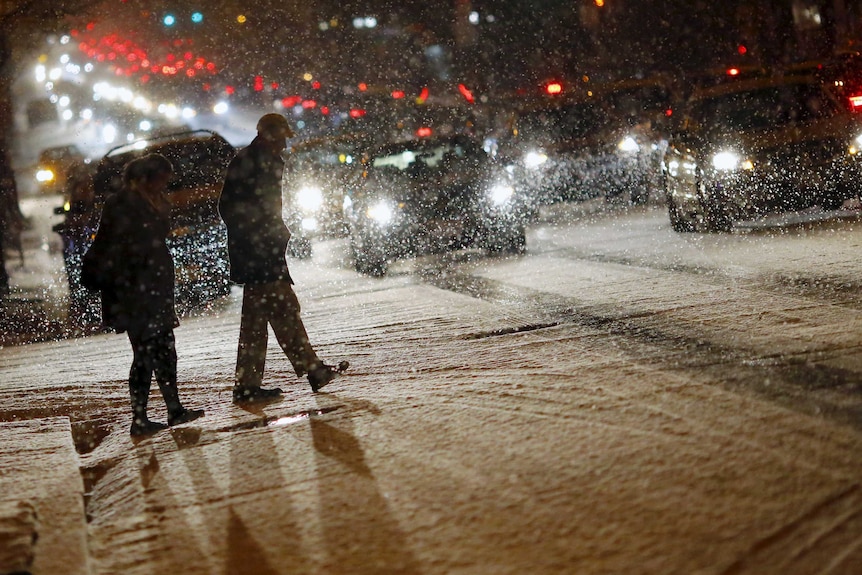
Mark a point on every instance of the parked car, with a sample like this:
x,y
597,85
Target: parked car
x,y
198,240
432,194
315,176
576,147
757,147
53,167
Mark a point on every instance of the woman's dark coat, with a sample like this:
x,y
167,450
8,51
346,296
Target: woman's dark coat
x,y
251,207
134,266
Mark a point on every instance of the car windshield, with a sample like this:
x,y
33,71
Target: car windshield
x,y
786,104
564,122
436,158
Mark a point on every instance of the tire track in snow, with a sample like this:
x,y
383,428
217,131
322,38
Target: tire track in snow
x,y
793,380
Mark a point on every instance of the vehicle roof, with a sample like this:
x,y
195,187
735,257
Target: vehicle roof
x,y
749,85
182,137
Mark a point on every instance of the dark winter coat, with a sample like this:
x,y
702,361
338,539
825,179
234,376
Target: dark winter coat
x,y
251,207
134,267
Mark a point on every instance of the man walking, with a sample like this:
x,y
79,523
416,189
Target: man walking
x,y
251,207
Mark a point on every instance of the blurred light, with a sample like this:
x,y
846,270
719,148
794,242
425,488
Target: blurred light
x,y
357,113
628,144
109,134
86,114
40,73
221,108
197,17
465,91
44,176
241,19
145,126
741,49
188,113
380,212
473,18
397,94
309,198
855,102
423,95
554,88
733,71
424,132
169,20
534,159
362,86
726,161
501,193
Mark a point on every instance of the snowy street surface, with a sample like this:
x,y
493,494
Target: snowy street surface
x,y
620,400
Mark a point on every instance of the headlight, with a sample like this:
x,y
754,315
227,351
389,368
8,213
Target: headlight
x,y
500,194
628,144
309,199
729,161
381,212
535,159
855,146
44,176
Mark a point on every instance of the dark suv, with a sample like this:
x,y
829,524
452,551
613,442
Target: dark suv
x,y
198,240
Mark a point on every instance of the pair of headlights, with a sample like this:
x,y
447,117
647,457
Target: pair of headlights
x,y
382,212
535,158
731,161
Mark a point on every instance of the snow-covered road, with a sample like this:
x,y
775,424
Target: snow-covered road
x,y
622,399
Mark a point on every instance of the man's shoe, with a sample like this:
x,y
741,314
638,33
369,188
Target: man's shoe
x,y
243,394
184,416
145,428
320,376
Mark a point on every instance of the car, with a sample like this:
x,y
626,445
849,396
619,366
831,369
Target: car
x,y
315,175
432,194
53,167
576,147
759,147
198,238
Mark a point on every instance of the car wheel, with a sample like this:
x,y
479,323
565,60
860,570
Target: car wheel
x,y
299,248
368,260
512,241
678,222
714,214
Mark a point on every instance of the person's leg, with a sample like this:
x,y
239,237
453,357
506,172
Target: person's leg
x,y
251,353
286,321
165,368
140,377
253,337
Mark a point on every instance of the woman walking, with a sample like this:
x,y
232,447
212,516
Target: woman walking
x,y
135,272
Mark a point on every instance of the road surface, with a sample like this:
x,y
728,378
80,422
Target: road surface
x,y
621,399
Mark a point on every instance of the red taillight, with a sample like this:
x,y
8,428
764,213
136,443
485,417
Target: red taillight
x,y
357,113
855,102
554,88
465,91
733,71
423,132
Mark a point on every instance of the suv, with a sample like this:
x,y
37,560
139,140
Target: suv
x,y
430,195
198,240
577,147
760,147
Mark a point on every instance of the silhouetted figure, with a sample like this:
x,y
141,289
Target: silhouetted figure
x,y
129,262
251,207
